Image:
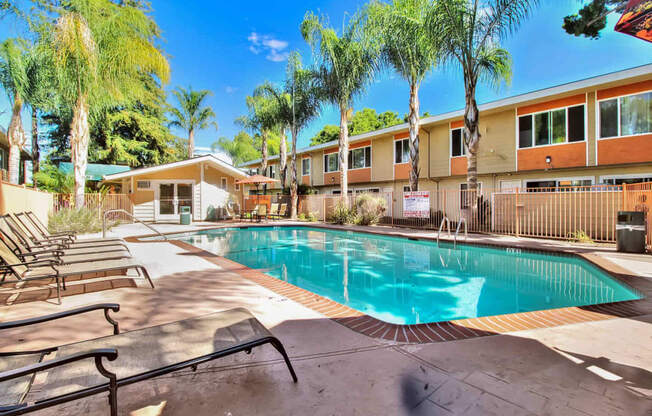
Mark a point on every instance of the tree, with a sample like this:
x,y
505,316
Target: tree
x,y
471,32
328,133
261,120
346,64
192,114
412,52
592,18
296,105
389,119
364,121
99,49
241,149
13,76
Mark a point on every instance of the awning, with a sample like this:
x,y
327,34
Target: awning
x,y
95,171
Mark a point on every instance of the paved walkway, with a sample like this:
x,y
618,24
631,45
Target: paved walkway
x,y
596,368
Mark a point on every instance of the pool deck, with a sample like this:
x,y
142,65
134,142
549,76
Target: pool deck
x,y
601,367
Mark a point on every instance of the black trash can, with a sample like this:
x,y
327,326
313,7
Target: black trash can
x,y
630,232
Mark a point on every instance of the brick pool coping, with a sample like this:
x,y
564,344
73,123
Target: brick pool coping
x,y
439,331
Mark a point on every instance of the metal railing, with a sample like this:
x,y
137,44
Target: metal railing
x,y
457,231
122,211
441,226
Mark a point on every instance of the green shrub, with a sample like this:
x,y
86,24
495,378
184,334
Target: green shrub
x,y
369,208
301,216
580,236
80,220
312,217
342,214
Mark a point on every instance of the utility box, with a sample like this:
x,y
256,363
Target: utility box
x,y
186,216
630,232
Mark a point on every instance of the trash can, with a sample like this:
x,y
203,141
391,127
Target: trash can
x,y
185,216
630,232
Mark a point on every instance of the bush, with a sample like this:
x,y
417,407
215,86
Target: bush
x,y
580,236
79,220
370,208
342,214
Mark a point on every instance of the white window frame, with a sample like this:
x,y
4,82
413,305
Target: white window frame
x,y
450,140
365,157
626,176
309,166
394,151
4,156
599,121
550,110
148,188
557,180
337,155
224,183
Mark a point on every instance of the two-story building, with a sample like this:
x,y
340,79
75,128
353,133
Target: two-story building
x,y
593,131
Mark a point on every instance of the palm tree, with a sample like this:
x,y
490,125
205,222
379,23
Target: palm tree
x,y
296,105
346,63
277,114
471,32
261,120
410,50
192,114
13,76
99,50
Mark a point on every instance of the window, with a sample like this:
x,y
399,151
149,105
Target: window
x,y
4,160
402,151
339,192
558,185
367,190
626,116
406,188
360,158
143,184
551,127
331,163
457,143
224,183
237,186
270,172
626,179
305,167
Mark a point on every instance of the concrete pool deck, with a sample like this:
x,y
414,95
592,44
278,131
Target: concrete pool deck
x,y
595,368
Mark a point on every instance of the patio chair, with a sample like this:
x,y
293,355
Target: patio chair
x,y
10,225
37,235
52,269
262,212
273,212
43,229
282,212
65,256
103,365
253,213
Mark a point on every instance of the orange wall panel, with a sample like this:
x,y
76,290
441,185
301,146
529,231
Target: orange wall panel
x,y
635,149
459,165
403,135
548,105
563,156
457,124
402,171
625,89
305,180
360,175
331,178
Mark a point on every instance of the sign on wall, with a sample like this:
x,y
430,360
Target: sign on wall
x,y
416,204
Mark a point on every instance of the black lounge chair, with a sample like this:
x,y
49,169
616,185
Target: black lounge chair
x,y
105,364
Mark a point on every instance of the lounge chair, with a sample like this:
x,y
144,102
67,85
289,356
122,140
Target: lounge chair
x,y
105,364
49,269
37,235
67,256
10,225
282,212
253,213
262,212
273,211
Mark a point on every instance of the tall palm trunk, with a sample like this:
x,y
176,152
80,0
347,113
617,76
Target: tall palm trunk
x,y
294,196
471,140
16,137
35,147
283,156
414,136
79,139
263,150
344,155
191,143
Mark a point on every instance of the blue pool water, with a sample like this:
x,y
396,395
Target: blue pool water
x,y
406,282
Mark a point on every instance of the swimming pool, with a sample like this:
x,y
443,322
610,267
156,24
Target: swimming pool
x,y
403,281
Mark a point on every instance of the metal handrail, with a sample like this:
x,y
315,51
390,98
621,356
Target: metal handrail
x,y
132,217
448,222
457,231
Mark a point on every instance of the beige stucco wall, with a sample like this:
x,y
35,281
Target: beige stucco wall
x,y
19,199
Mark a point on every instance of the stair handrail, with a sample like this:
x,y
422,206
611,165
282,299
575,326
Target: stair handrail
x,y
457,231
448,222
109,211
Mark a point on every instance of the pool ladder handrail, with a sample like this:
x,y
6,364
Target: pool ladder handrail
x,y
457,231
109,211
441,226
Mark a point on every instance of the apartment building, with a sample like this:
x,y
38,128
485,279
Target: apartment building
x,y
593,131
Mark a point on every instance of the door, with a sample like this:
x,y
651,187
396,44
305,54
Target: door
x,y
171,197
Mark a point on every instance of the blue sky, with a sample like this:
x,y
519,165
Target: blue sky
x,y
230,47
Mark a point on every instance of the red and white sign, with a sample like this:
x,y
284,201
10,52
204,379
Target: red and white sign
x,y
416,204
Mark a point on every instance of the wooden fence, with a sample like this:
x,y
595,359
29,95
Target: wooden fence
x,y
99,202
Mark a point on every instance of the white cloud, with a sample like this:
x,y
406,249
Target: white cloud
x,y
230,90
275,48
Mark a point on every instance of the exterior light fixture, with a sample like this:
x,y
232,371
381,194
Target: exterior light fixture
x,y
548,159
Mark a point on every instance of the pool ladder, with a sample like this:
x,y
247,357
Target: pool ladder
x,y
446,221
